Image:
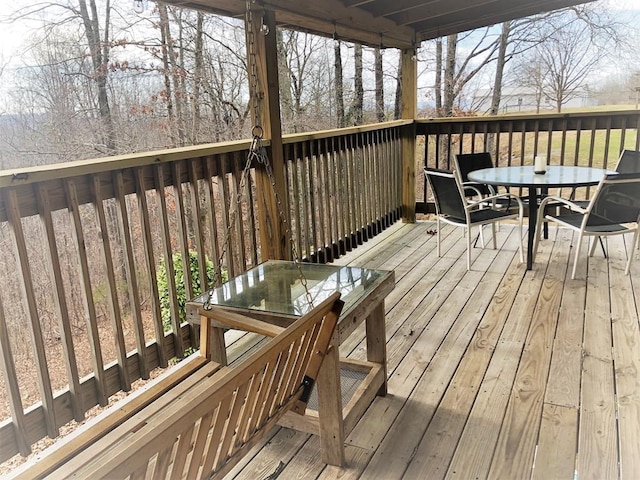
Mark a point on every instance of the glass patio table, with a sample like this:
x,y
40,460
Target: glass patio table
x,y
556,176
275,292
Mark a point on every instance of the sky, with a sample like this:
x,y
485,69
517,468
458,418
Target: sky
x,y
14,37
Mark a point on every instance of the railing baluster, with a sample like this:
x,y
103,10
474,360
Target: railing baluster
x,y
86,293
112,289
161,193
25,282
236,172
223,187
7,363
150,265
321,204
60,304
250,225
196,216
130,272
212,221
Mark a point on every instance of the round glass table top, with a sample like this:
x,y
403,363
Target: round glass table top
x,y
555,176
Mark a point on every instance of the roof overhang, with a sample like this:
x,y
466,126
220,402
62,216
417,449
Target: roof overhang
x,y
386,23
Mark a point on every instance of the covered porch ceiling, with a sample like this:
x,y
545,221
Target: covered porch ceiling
x,y
387,23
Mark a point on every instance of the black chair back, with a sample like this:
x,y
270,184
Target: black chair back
x,y
629,162
446,193
469,162
617,200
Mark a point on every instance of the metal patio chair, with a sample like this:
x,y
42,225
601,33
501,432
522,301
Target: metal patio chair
x,y
464,163
613,210
452,207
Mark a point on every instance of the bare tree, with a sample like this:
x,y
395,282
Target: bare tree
x,y
356,113
566,57
339,85
379,85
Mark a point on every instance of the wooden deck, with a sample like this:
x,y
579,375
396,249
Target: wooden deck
x,y
493,373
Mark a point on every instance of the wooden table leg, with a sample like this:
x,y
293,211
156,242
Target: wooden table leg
x,y
330,409
212,344
377,342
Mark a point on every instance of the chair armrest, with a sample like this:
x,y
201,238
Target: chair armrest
x,y
470,186
494,197
241,322
568,203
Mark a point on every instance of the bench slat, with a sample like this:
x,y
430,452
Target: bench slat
x,y
210,419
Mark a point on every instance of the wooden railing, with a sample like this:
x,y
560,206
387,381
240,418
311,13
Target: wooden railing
x,y
90,300
590,139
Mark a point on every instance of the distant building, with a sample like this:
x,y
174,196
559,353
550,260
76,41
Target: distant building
x,y
523,99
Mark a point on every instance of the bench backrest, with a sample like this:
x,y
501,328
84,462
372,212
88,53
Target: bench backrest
x,y
204,431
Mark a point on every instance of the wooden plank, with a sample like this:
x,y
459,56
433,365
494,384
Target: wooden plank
x,y
271,455
441,437
515,450
212,221
332,432
27,291
112,288
182,233
106,421
597,440
409,74
54,270
239,176
557,443
131,273
150,265
168,259
482,430
626,358
441,345
563,388
298,207
228,243
7,364
196,219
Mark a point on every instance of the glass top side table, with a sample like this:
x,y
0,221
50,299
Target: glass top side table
x,y
275,292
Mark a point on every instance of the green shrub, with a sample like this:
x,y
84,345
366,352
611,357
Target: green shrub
x,y
163,285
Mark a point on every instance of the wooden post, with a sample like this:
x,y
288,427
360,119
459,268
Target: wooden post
x,y
409,73
262,48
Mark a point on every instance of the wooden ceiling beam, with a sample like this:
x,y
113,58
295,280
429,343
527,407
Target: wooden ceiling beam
x,y
387,23
383,8
323,18
469,18
355,24
439,8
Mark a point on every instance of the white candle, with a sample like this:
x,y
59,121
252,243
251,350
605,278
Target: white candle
x,y
540,164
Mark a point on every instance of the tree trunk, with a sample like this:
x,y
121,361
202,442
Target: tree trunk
x,y
358,100
99,49
379,85
449,75
397,108
438,80
284,76
171,80
198,77
166,67
337,53
500,62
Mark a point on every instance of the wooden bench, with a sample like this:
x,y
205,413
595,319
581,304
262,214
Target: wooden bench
x,y
198,419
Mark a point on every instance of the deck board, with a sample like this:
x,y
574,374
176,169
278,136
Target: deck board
x,y
493,373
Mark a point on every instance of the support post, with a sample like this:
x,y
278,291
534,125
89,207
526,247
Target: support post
x,y
261,40
409,73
